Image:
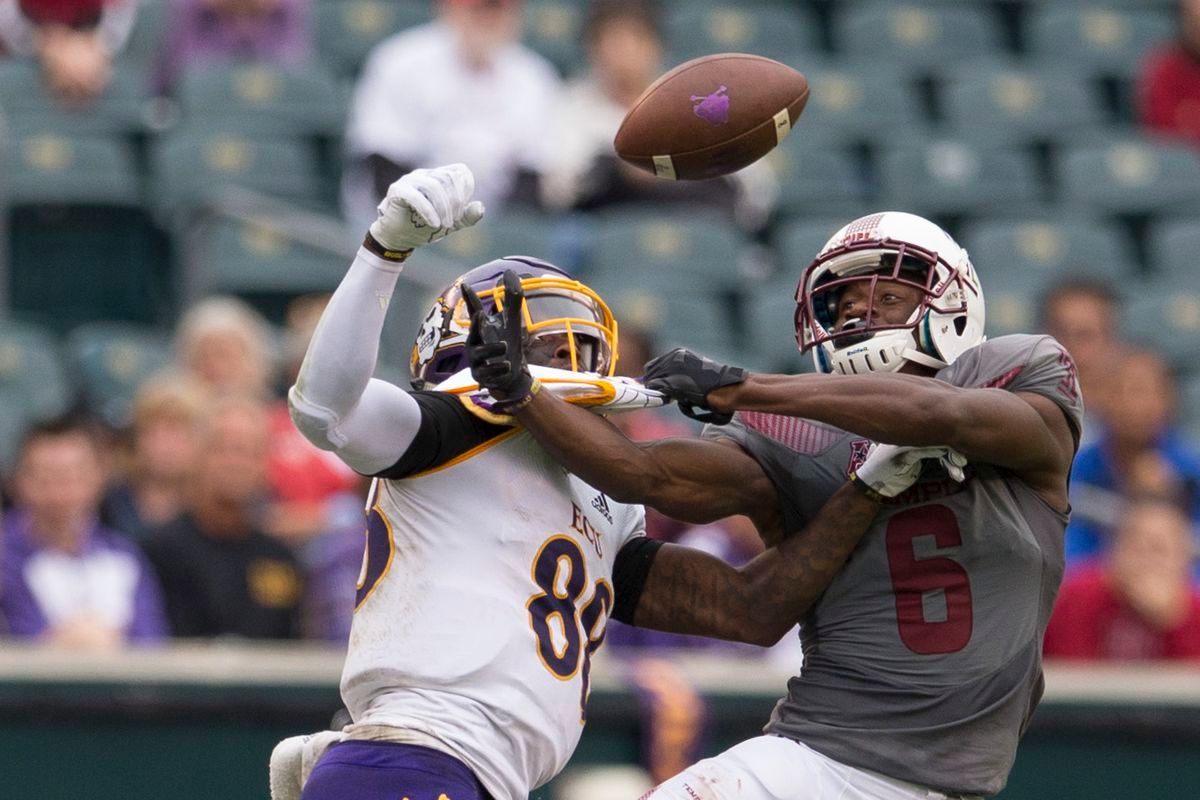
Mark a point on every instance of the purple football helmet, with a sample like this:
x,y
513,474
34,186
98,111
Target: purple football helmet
x,y
555,303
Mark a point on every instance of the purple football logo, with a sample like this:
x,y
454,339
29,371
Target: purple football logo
x,y
713,108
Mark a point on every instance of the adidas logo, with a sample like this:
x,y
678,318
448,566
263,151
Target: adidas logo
x,y
601,505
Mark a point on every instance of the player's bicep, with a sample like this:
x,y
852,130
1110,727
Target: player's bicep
x,y
379,429
706,480
1021,431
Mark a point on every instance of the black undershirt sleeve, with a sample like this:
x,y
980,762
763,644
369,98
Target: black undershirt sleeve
x,y
447,431
630,569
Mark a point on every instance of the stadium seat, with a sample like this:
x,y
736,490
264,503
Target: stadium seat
x,y
554,28
13,423
783,33
191,167
797,244
867,104
145,43
1168,318
770,321
916,35
675,313
1174,246
952,177
1052,248
31,372
823,179
645,246
1189,406
111,360
1107,40
263,99
514,233
74,213
1015,105
347,30
28,106
1133,177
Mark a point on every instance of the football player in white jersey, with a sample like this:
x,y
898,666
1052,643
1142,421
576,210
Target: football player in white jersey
x,y
489,570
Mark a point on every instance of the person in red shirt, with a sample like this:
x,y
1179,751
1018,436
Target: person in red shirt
x,y
74,41
1169,87
1139,602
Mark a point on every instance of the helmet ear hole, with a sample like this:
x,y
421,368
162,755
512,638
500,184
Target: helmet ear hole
x,y
960,324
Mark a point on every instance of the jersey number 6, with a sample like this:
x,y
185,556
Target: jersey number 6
x,y
567,635
913,577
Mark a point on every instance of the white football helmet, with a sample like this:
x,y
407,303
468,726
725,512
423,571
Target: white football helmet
x,y
890,246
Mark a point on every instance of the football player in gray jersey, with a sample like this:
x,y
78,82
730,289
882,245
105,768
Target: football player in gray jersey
x,y
923,656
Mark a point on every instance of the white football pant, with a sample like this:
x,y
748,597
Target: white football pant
x,y
775,768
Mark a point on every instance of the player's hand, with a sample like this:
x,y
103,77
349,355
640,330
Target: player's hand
x,y
687,378
496,346
890,469
423,206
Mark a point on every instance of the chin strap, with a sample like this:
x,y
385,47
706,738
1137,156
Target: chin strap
x,y
924,359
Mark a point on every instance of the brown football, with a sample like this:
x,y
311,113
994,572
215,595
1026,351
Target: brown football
x,y
711,116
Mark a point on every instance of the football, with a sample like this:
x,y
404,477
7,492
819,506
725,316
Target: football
x,y
711,116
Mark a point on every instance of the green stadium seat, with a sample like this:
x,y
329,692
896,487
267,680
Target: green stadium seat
x,y
1167,317
1189,406
32,372
1052,248
554,28
28,106
783,33
771,328
953,177
1173,249
259,261
111,360
1018,105
347,30
145,43
74,212
858,103
1105,40
643,246
514,233
263,99
674,313
191,167
1133,177
13,423
916,35
822,179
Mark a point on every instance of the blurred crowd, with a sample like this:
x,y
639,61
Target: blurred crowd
x,y
208,515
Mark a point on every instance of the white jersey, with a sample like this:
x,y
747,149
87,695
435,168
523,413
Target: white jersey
x,y
486,585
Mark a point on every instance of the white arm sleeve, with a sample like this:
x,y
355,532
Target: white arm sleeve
x,y
336,403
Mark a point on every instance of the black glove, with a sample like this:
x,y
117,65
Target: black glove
x,y
495,346
687,378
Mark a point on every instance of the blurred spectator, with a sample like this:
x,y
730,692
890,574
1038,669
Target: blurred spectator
x,y
317,501
220,572
313,491
624,41
1082,315
1138,602
460,89
74,41
224,345
162,448
1169,88
201,33
68,580
1138,451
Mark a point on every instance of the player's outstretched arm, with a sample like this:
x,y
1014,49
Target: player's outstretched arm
x,y
1021,431
687,591
335,402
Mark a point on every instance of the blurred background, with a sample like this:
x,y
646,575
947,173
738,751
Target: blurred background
x,y
183,182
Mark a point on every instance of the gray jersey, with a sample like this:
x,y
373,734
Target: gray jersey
x,y
923,657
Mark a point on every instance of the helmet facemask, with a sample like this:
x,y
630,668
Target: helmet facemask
x,y
872,344
557,310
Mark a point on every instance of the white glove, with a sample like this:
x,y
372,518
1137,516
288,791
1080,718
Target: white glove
x,y
293,759
423,206
890,469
